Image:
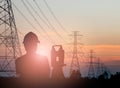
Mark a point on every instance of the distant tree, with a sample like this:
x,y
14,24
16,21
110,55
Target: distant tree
x,y
104,76
116,76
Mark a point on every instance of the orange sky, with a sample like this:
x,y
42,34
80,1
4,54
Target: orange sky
x,y
106,52
97,20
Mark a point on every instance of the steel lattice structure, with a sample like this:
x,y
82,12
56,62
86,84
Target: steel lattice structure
x,y
9,41
91,72
75,58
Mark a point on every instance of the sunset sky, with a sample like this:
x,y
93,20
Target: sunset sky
x,y
97,20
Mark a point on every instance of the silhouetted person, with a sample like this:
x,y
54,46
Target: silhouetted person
x,y
31,67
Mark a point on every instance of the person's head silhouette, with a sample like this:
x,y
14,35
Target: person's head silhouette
x,y
30,42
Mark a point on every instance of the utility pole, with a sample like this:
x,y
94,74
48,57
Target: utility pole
x,y
75,66
91,72
9,41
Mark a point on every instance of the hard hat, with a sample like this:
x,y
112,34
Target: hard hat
x,y
31,37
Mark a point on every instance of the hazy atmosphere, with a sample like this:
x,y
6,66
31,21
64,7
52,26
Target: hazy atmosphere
x,y
59,43
98,21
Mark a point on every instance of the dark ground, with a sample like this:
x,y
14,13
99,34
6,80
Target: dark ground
x,y
101,82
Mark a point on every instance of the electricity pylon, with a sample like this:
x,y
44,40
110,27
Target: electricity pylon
x,y
75,66
9,41
91,71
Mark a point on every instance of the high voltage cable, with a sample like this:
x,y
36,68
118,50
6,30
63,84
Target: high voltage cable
x,y
31,14
48,20
36,20
29,21
44,21
37,13
54,16
25,17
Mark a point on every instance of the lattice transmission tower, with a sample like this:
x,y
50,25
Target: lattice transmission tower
x,y
9,41
75,65
91,69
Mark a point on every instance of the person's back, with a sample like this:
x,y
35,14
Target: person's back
x,y
32,68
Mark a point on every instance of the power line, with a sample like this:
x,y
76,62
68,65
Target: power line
x,y
25,17
36,20
48,20
54,16
44,21
37,13
28,21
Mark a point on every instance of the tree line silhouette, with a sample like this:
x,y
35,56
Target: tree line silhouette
x,y
75,81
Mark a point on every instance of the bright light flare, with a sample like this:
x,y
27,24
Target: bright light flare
x,y
43,50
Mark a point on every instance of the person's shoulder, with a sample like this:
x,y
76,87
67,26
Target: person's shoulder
x,y
20,58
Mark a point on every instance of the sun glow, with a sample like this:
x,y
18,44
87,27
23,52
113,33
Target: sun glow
x,y
42,50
